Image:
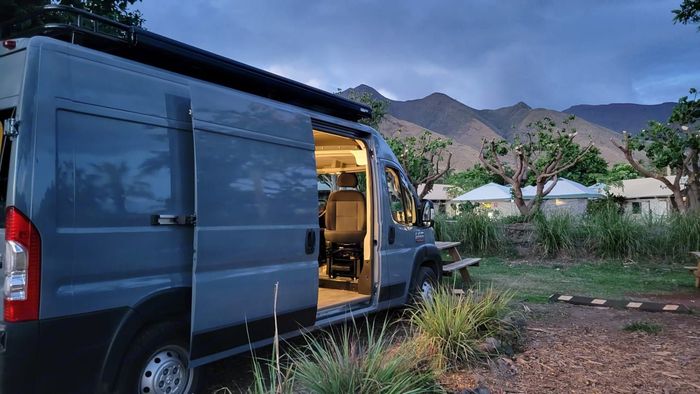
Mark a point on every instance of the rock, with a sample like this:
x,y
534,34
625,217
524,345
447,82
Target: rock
x,y
490,345
477,390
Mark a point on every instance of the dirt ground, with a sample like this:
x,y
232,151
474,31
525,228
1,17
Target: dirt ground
x,y
578,349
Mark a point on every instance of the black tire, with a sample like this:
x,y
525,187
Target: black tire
x,y
426,277
155,356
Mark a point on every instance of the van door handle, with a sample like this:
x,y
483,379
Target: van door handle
x,y
392,235
310,241
173,220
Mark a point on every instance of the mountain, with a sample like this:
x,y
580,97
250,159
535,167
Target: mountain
x,y
468,126
463,156
623,117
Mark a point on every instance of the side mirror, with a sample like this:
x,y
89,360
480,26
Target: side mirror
x,y
427,213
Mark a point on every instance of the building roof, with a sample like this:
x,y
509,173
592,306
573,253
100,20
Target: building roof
x,y
564,189
642,188
489,192
439,192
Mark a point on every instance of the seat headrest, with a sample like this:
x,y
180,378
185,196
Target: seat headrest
x,y
347,180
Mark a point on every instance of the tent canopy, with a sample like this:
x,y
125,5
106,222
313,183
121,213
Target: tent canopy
x,y
489,192
563,189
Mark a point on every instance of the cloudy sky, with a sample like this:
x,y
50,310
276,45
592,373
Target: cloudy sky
x,y
486,54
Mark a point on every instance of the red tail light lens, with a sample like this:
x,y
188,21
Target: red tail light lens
x,y
9,44
21,266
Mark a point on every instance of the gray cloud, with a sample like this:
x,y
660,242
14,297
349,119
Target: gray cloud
x,y
486,54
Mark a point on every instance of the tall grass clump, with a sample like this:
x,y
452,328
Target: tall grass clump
x,y
451,327
556,233
350,361
682,235
477,232
613,235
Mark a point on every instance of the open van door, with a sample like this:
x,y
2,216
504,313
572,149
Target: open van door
x,y
256,222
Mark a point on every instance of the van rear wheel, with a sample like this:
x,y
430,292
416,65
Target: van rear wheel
x,y
157,363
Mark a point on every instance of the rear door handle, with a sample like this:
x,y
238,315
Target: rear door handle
x,y
173,220
392,235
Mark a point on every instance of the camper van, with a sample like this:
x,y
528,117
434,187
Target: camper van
x,y
166,207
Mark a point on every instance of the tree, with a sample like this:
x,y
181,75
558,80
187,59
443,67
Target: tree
x,y
689,12
586,171
424,157
544,150
472,178
671,147
113,9
618,173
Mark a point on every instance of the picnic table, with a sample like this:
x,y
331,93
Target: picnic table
x,y
695,269
458,263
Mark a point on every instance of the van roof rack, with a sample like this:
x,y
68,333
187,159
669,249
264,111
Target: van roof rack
x,y
93,31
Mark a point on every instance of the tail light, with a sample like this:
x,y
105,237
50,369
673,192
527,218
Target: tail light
x,y
21,266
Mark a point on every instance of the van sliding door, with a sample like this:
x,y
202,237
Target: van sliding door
x,y
257,226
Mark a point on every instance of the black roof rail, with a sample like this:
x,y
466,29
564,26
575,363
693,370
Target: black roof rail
x,y
93,31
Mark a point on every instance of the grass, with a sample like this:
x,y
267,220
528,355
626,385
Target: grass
x,y
612,279
477,232
603,233
351,361
450,328
642,326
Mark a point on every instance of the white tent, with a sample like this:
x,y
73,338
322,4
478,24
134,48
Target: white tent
x,y
564,189
489,192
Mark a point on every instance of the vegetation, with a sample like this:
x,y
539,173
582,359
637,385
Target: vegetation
x,y
477,232
689,12
424,157
674,145
541,153
642,326
604,232
451,328
118,10
464,181
618,173
555,234
348,362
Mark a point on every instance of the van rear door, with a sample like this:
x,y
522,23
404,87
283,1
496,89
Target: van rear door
x,y
256,235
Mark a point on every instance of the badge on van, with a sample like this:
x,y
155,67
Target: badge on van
x,y
420,236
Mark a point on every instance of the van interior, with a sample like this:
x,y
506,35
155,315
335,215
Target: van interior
x,y
345,218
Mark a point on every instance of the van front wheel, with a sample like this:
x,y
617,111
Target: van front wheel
x,y
425,283
157,363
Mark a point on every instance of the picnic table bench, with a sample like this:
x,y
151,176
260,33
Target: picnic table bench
x,y
458,263
695,269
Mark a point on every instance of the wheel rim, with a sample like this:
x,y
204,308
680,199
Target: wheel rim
x,y
166,372
426,290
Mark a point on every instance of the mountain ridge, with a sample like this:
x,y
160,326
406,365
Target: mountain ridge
x,y
468,126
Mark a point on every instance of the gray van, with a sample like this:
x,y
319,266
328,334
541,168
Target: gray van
x,y
165,206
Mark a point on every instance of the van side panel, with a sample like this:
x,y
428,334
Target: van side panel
x,y
256,202
91,170
103,171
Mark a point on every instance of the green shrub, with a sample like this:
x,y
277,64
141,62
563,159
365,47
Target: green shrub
x,y
682,235
642,326
556,233
451,327
352,362
269,379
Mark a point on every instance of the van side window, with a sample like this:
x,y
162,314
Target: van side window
x,y
400,200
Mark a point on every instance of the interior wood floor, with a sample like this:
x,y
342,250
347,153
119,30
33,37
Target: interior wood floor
x,y
328,298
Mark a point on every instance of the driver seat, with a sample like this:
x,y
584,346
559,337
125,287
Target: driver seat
x,y
346,213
